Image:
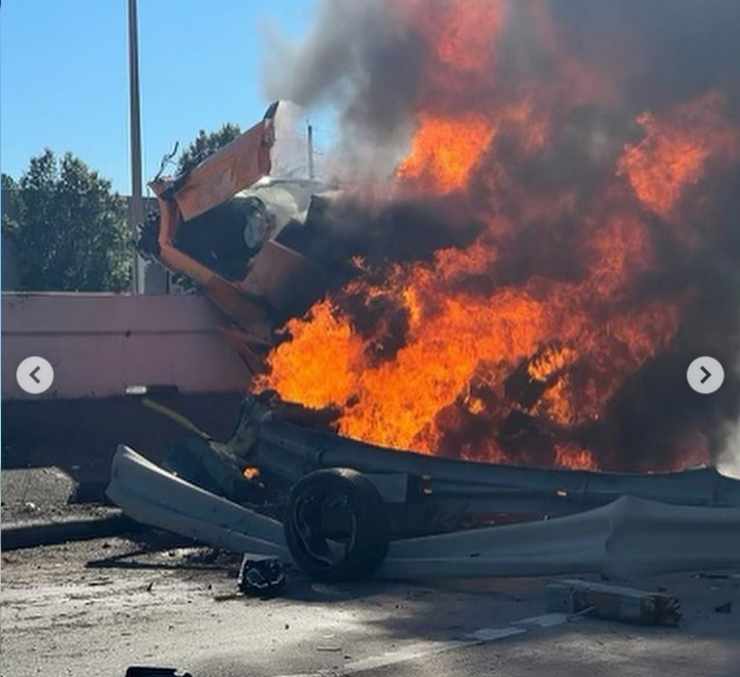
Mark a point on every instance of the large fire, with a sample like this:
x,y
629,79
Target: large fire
x,y
514,347
674,152
445,151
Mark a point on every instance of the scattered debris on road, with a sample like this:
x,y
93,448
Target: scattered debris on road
x,y
611,602
145,671
262,577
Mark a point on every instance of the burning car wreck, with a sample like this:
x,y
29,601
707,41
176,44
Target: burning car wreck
x,y
496,332
433,362
350,509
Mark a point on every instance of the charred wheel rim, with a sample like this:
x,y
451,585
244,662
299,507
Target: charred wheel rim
x,y
336,525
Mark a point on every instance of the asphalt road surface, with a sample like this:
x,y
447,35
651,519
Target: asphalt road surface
x,y
34,493
157,604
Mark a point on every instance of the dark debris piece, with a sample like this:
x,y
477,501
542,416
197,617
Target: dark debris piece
x,y
148,671
261,577
724,608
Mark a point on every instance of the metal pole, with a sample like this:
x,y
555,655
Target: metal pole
x,y
136,208
310,152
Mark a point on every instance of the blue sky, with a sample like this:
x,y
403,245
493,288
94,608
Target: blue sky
x,y
64,75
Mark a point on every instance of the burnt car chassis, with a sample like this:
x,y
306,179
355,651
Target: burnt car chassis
x,y
342,509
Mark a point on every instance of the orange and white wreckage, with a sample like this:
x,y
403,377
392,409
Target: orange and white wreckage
x,y
286,485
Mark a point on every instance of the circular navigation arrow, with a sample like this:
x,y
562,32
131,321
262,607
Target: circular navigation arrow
x,y
34,375
705,375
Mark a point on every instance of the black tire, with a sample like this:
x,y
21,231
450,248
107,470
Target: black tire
x,y
336,525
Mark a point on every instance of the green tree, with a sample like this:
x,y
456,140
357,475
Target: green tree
x,y
206,144
68,228
10,205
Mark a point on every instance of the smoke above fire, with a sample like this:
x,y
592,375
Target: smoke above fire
x,y
557,239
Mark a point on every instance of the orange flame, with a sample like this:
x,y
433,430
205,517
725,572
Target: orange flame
x,y
571,457
554,351
445,151
251,473
674,152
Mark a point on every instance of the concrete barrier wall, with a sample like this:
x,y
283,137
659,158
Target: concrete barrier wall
x,y
99,344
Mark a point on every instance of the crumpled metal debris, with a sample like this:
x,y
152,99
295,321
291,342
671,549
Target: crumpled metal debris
x,y
629,537
148,671
612,602
261,577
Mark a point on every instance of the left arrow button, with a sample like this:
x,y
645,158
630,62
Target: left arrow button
x,y
35,375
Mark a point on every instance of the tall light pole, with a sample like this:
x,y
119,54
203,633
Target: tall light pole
x,y
136,206
310,153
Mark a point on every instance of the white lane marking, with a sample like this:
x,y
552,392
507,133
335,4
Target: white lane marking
x,y
406,653
424,649
491,634
546,621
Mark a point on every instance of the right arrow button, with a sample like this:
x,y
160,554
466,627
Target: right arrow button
x,y
705,375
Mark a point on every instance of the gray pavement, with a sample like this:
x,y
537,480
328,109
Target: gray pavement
x,y
175,606
34,493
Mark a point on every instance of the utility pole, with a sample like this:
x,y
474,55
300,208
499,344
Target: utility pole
x,y
136,207
310,152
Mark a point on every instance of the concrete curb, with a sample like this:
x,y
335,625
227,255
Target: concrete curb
x,y
32,534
